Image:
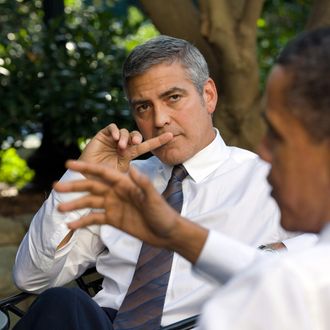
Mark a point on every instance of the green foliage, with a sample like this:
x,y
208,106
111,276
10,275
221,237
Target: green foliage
x,y
144,32
280,21
67,75
13,169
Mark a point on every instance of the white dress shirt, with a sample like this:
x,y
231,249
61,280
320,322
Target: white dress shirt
x,y
287,291
226,191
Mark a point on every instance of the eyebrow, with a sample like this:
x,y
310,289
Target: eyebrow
x,y
162,95
133,104
173,90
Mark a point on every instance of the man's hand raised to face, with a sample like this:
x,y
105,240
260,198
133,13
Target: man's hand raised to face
x,y
117,147
130,202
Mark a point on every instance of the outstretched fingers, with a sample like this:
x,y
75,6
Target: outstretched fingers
x,y
147,191
141,181
87,185
93,218
96,171
89,201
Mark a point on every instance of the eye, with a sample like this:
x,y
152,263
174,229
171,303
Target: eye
x,y
142,107
174,97
273,135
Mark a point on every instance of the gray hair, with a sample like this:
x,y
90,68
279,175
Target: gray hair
x,y
165,49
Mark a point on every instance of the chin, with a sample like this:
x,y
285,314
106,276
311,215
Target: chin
x,y
288,226
290,221
301,223
170,157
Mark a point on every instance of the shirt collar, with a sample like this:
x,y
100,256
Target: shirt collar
x,y
208,159
325,234
204,162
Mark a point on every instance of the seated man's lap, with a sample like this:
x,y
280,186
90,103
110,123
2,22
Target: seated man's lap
x,y
65,309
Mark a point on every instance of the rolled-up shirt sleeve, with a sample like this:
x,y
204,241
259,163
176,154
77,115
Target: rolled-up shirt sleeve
x,y
301,241
39,264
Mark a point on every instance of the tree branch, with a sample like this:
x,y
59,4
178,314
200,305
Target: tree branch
x,y
218,27
247,28
215,16
251,12
181,19
319,14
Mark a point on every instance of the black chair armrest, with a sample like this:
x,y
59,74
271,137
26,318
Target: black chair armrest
x,y
90,281
186,324
87,282
9,303
4,321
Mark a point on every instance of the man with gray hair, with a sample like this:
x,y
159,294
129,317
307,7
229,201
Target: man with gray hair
x,y
218,187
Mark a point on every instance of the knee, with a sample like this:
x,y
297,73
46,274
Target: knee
x,y
60,297
62,308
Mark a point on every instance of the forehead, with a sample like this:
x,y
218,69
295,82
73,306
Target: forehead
x,y
279,115
158,79
278,84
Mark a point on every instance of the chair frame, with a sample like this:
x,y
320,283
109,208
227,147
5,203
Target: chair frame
x,y
9,304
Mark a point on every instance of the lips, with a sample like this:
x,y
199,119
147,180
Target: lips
x,y
273,188
174,136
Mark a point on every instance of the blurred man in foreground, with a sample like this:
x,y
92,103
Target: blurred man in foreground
x,y
286,291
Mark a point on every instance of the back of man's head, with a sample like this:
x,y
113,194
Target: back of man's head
x,y
307,59
167,50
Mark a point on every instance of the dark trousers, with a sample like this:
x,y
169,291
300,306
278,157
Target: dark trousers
x,y
66,309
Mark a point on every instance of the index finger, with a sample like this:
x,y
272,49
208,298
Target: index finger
x,y
151,144
96,171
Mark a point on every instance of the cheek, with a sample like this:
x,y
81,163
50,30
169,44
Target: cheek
x,y
284,182
298,200
145,128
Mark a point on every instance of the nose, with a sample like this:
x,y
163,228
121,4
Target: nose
x,y
264,151
161,116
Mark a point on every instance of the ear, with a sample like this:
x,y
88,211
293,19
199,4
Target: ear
x,y
210,95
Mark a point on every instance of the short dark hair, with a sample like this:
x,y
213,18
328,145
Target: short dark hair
x,y
307,58
165,49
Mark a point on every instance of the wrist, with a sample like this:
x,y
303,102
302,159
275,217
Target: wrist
x,y
188,239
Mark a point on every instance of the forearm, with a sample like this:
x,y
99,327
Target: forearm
x,y
42,256
38,263
36,273
188,239
212,253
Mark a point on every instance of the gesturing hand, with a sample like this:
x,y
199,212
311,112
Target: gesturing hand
x,y
117,147
126,201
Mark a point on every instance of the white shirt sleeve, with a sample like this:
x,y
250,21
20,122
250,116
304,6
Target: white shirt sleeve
x,y
37,255
269,296
222,257
301,242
